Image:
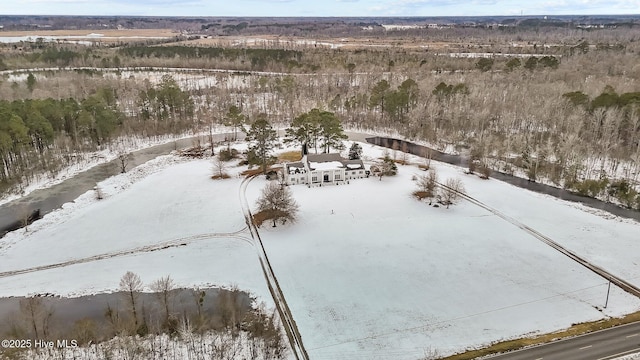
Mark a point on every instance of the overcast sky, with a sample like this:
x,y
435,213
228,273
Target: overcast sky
x,y
317,7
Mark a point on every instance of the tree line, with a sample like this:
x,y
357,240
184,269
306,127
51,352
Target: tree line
x,y
512,117
42,135
168,108
258,58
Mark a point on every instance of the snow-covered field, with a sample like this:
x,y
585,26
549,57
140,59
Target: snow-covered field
x,y
166,201
368,271
88,160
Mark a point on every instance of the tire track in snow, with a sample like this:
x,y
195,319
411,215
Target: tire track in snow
x,y
295,339
621,283
141,249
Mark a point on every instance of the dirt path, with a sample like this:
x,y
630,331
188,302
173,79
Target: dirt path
x,y
621,283
142,249
295,339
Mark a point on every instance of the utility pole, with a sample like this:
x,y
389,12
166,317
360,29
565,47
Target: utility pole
x,y
608,290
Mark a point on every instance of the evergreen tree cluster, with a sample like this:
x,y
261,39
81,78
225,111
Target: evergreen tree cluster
x,y
316,128
259,58
34,131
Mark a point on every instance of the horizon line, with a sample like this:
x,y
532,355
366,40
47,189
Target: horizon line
x,y
316,17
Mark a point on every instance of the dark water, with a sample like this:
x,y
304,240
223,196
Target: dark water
x,y
66,311
563,194
53,197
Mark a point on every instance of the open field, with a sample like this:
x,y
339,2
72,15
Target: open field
x,y
368,271
105,32
96,35
139,210
346,43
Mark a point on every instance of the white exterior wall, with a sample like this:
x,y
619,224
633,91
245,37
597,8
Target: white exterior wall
x,y
355,174
297,179
308,176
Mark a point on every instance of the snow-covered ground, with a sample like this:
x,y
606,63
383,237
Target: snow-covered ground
x,y
186,345
368,271
629,357
86,161
168,200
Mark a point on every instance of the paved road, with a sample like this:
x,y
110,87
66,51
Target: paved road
x,y
601,345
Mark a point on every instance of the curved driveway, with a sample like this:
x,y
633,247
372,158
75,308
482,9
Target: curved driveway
x,y
295,339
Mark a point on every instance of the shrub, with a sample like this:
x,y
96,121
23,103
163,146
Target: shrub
x,y
228,154
420,195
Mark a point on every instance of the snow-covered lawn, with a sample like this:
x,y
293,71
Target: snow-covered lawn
x,y
369,272
85,161
219,262
600,237
162,201
177,202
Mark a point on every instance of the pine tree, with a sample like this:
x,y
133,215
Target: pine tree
x,y
355,151
263,139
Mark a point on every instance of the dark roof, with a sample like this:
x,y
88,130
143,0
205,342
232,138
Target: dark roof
x,y
324,157
295,164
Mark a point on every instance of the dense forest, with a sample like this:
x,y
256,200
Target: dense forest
x,y
45,135
554,105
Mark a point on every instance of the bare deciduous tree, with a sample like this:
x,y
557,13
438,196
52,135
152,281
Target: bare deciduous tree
x,y
451,191
427,185
37,315
404,156
431,354
229,304
219,169
276,203
163,288
198,297
123,160
131,285
427,154
25,217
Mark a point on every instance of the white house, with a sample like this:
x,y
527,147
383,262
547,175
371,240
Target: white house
x,y
323,169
